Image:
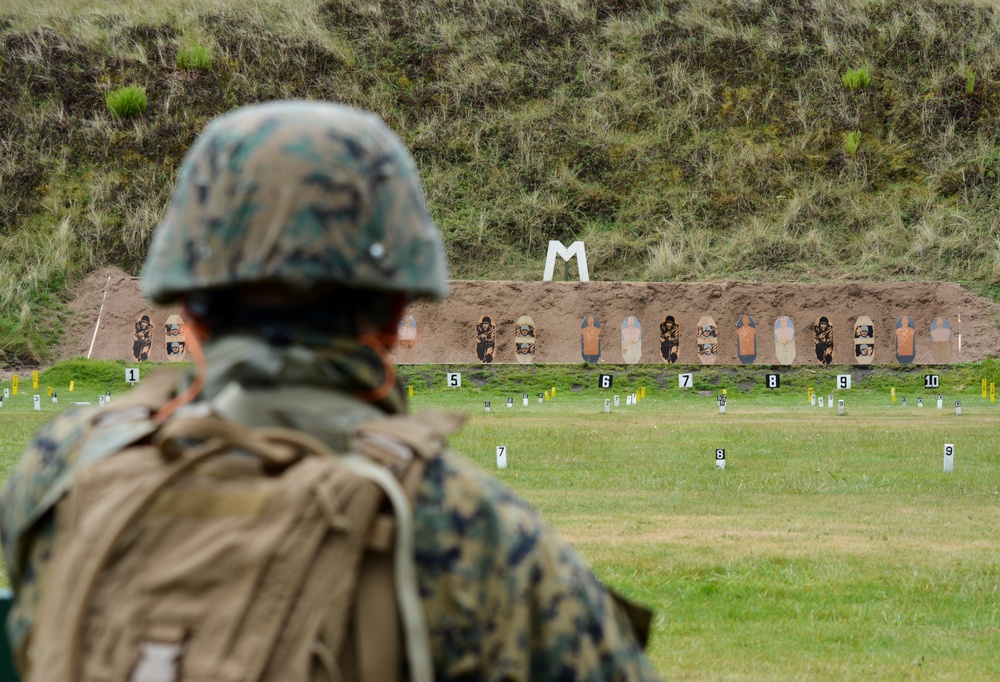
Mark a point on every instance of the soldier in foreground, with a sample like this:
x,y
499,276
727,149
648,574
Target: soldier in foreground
x,y
296,236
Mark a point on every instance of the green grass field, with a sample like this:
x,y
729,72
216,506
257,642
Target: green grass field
x,y
831,547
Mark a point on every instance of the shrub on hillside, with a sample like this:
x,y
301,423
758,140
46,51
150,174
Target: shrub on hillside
x,y
127,102
194,57
852,141
856,78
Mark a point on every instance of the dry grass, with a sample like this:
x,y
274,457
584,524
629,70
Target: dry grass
x,y
681,140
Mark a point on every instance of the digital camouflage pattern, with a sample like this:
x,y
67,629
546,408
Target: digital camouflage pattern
x,y
299,193
505,598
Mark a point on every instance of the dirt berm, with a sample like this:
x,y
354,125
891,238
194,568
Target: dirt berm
x,y
446,332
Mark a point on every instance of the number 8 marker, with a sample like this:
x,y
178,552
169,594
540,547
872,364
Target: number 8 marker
x,y
720,458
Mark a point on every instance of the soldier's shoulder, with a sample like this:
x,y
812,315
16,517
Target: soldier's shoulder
x,y
44,467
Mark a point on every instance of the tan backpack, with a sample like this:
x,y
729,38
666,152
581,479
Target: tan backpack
x,y
209,551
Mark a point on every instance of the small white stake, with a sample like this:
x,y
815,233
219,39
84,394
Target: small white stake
x,y
903,401
958,408
100,401
616,401
524,399
840,407
501,457
628,400
813,401
6,393
607,406
920,402
541,398
487,407
821,403
829,401
510,402
55,399
722,404
949,457
940,401
720,458
38,404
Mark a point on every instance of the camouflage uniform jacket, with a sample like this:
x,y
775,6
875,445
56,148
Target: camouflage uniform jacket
x,y
505,598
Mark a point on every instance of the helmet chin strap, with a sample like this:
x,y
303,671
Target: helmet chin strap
x,y
380,343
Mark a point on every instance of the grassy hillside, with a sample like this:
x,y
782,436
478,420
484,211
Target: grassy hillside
x,y
690,139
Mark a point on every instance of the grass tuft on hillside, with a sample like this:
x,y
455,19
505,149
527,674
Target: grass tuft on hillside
x,y
682,140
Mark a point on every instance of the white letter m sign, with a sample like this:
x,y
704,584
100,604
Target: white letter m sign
x,y
557,249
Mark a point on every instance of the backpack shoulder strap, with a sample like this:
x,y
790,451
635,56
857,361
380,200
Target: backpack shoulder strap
x,y
404,445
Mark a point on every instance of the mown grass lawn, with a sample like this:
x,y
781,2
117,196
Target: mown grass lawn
x,y
829,548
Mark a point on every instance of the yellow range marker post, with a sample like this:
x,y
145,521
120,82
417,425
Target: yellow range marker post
x,y
553,391
409,389
993,392
50,391
892,392
71,385
13,385
809,395
984,388
34,379
546,395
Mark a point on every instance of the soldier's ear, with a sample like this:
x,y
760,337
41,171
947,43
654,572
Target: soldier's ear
x,y
196,323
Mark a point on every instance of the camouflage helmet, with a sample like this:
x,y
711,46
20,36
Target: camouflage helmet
x,y
301,194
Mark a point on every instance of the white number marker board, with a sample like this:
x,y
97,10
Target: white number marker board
x,y
684,380
132,375
949,457
772,380
38,403
844,382
604,381
501,457
932,381
454,380
720,458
